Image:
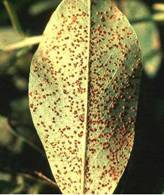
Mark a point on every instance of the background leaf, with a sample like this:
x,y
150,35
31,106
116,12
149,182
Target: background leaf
x,y
43,6
147,32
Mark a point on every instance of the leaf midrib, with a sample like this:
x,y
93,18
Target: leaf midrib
x,y
87,99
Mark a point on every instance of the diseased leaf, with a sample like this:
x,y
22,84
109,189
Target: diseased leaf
x,y
83,94
147,32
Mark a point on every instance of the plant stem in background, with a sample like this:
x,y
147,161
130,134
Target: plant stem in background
x,y
27,41
13,17
45,178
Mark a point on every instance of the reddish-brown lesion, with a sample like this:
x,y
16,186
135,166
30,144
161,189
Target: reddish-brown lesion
x,y
74,19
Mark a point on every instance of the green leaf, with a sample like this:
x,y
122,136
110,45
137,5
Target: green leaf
x,y
158,6
8,36
16,183
5,62
21,120
83,92
7,139
147,32
39,7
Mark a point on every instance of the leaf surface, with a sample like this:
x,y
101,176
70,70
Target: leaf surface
x,y
147,32
83,93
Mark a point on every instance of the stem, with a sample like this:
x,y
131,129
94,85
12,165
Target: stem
x,y
13,17
45,178
24,43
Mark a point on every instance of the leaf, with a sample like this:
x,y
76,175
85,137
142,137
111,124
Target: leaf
x,y
159,17
149,36
8,36
16,183
83,93
20,119
39,7
5,60
7,139
158,6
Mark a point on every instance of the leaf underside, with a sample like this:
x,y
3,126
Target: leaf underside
x,y
83,93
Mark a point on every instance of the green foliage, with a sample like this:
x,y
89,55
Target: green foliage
x,y
147,32
12,145
19,183
43,6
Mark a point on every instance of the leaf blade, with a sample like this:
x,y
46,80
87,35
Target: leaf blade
x,y
83,121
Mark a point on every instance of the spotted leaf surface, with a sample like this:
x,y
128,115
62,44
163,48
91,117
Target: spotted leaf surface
x,y
83,94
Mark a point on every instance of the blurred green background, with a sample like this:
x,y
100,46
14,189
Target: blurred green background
x,y
23,164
